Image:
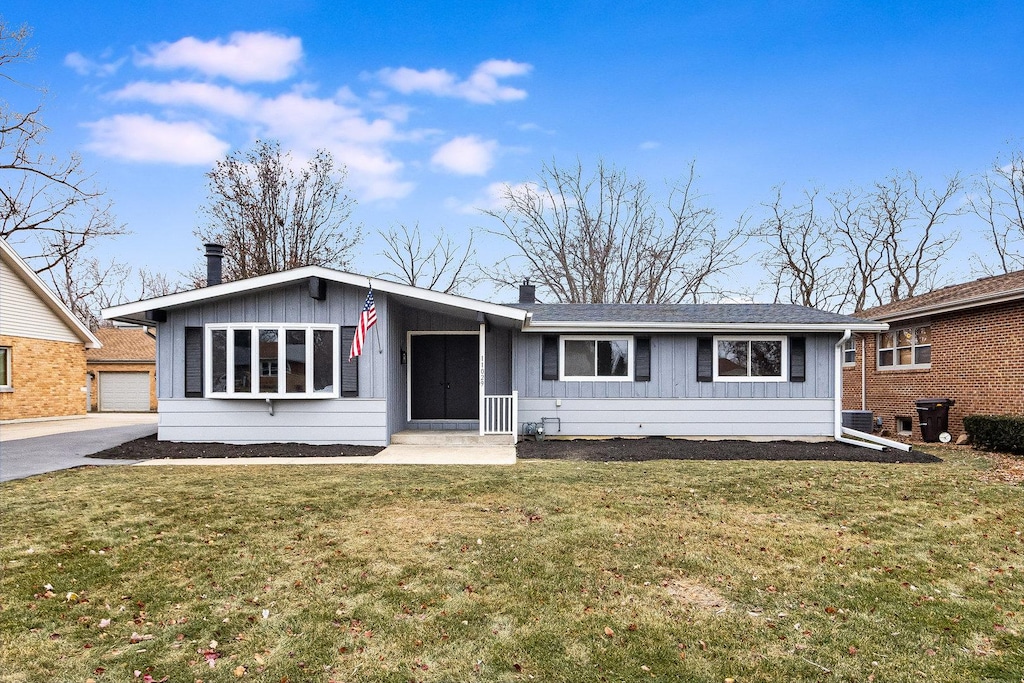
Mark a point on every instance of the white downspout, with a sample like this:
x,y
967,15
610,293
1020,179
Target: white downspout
x,y
863,373
862,439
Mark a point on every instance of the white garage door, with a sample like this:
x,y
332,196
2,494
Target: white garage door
x,y
124,391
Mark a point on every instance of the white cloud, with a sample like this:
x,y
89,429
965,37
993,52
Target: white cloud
x,y
649,144
466,155
492,198
84,66
224,100
244,57
143,138
481,86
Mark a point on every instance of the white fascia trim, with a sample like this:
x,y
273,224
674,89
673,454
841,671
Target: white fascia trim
x,y
766,328
138,308
950,307
37,285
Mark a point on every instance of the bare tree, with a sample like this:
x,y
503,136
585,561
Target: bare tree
x,y
271,217
441,264
602,238
800,255
50,210
998,200
876,246
891,236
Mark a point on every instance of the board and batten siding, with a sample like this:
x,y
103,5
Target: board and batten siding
x,y
361,420
24,314
404,319
674,403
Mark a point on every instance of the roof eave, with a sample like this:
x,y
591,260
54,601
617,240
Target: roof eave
x,y
611,326
136,312
951,306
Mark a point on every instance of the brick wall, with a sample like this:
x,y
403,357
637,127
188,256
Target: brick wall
x,y
977,360
95,368
47,379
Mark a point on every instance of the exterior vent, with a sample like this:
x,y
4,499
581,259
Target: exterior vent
x,y
214,256
861,420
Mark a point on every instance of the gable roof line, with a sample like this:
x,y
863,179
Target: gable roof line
x,y
36,284
132,311
949,306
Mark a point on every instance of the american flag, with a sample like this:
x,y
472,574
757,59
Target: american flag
x,y
367,319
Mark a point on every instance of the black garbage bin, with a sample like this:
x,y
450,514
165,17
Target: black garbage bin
x,y
933,416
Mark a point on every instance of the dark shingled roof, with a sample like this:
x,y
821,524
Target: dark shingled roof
x,y
693,314
953,296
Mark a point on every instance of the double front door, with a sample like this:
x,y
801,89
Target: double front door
x,y
445,377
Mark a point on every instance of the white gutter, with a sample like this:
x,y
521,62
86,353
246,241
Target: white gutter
x,y
568,327
862,439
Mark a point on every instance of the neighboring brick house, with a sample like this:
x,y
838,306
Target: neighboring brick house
x,y
964,342
42,347
122,374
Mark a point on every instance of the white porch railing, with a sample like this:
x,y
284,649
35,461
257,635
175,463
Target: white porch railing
x,y
500,415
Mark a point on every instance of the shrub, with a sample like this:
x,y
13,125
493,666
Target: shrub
x,y
1003,433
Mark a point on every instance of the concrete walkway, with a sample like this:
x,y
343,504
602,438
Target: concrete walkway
x,y
400,454
29,448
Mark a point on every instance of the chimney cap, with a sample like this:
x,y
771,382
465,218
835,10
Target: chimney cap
x,y
214,249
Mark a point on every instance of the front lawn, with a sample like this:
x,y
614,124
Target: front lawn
x,y
567,571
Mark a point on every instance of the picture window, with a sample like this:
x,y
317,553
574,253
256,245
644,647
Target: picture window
x,y
597,358
750,359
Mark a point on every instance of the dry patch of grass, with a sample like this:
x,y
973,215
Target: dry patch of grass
x,y
676,570
695,594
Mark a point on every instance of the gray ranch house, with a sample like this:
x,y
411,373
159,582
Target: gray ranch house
x,y
267,360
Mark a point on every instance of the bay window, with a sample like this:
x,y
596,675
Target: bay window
x,y
272,361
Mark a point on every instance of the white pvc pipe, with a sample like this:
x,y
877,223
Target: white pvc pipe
x,y
876,439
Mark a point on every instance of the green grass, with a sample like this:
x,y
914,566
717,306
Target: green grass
x,y
699,571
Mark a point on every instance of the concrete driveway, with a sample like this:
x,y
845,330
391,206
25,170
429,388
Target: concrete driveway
x,y
28,448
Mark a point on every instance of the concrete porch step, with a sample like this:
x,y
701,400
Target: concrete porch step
x,y
424,437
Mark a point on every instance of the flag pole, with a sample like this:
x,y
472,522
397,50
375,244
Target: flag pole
x,y
380,349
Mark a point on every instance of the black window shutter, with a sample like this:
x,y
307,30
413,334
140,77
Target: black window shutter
x,y
642,359
549,357
349,369
797,359
705,360
193,362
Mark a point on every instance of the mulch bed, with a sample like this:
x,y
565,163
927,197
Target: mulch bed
x,y
148,448
660,448
617,450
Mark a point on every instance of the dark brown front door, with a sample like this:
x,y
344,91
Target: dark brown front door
x,y
444,377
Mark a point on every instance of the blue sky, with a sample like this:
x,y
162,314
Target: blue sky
x,y
434,105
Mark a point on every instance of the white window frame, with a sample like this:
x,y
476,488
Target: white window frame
x,y
255,369
630,344
895,331
850,347
8,385
748,378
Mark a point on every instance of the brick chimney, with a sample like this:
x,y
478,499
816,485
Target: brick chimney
x,y
214,256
